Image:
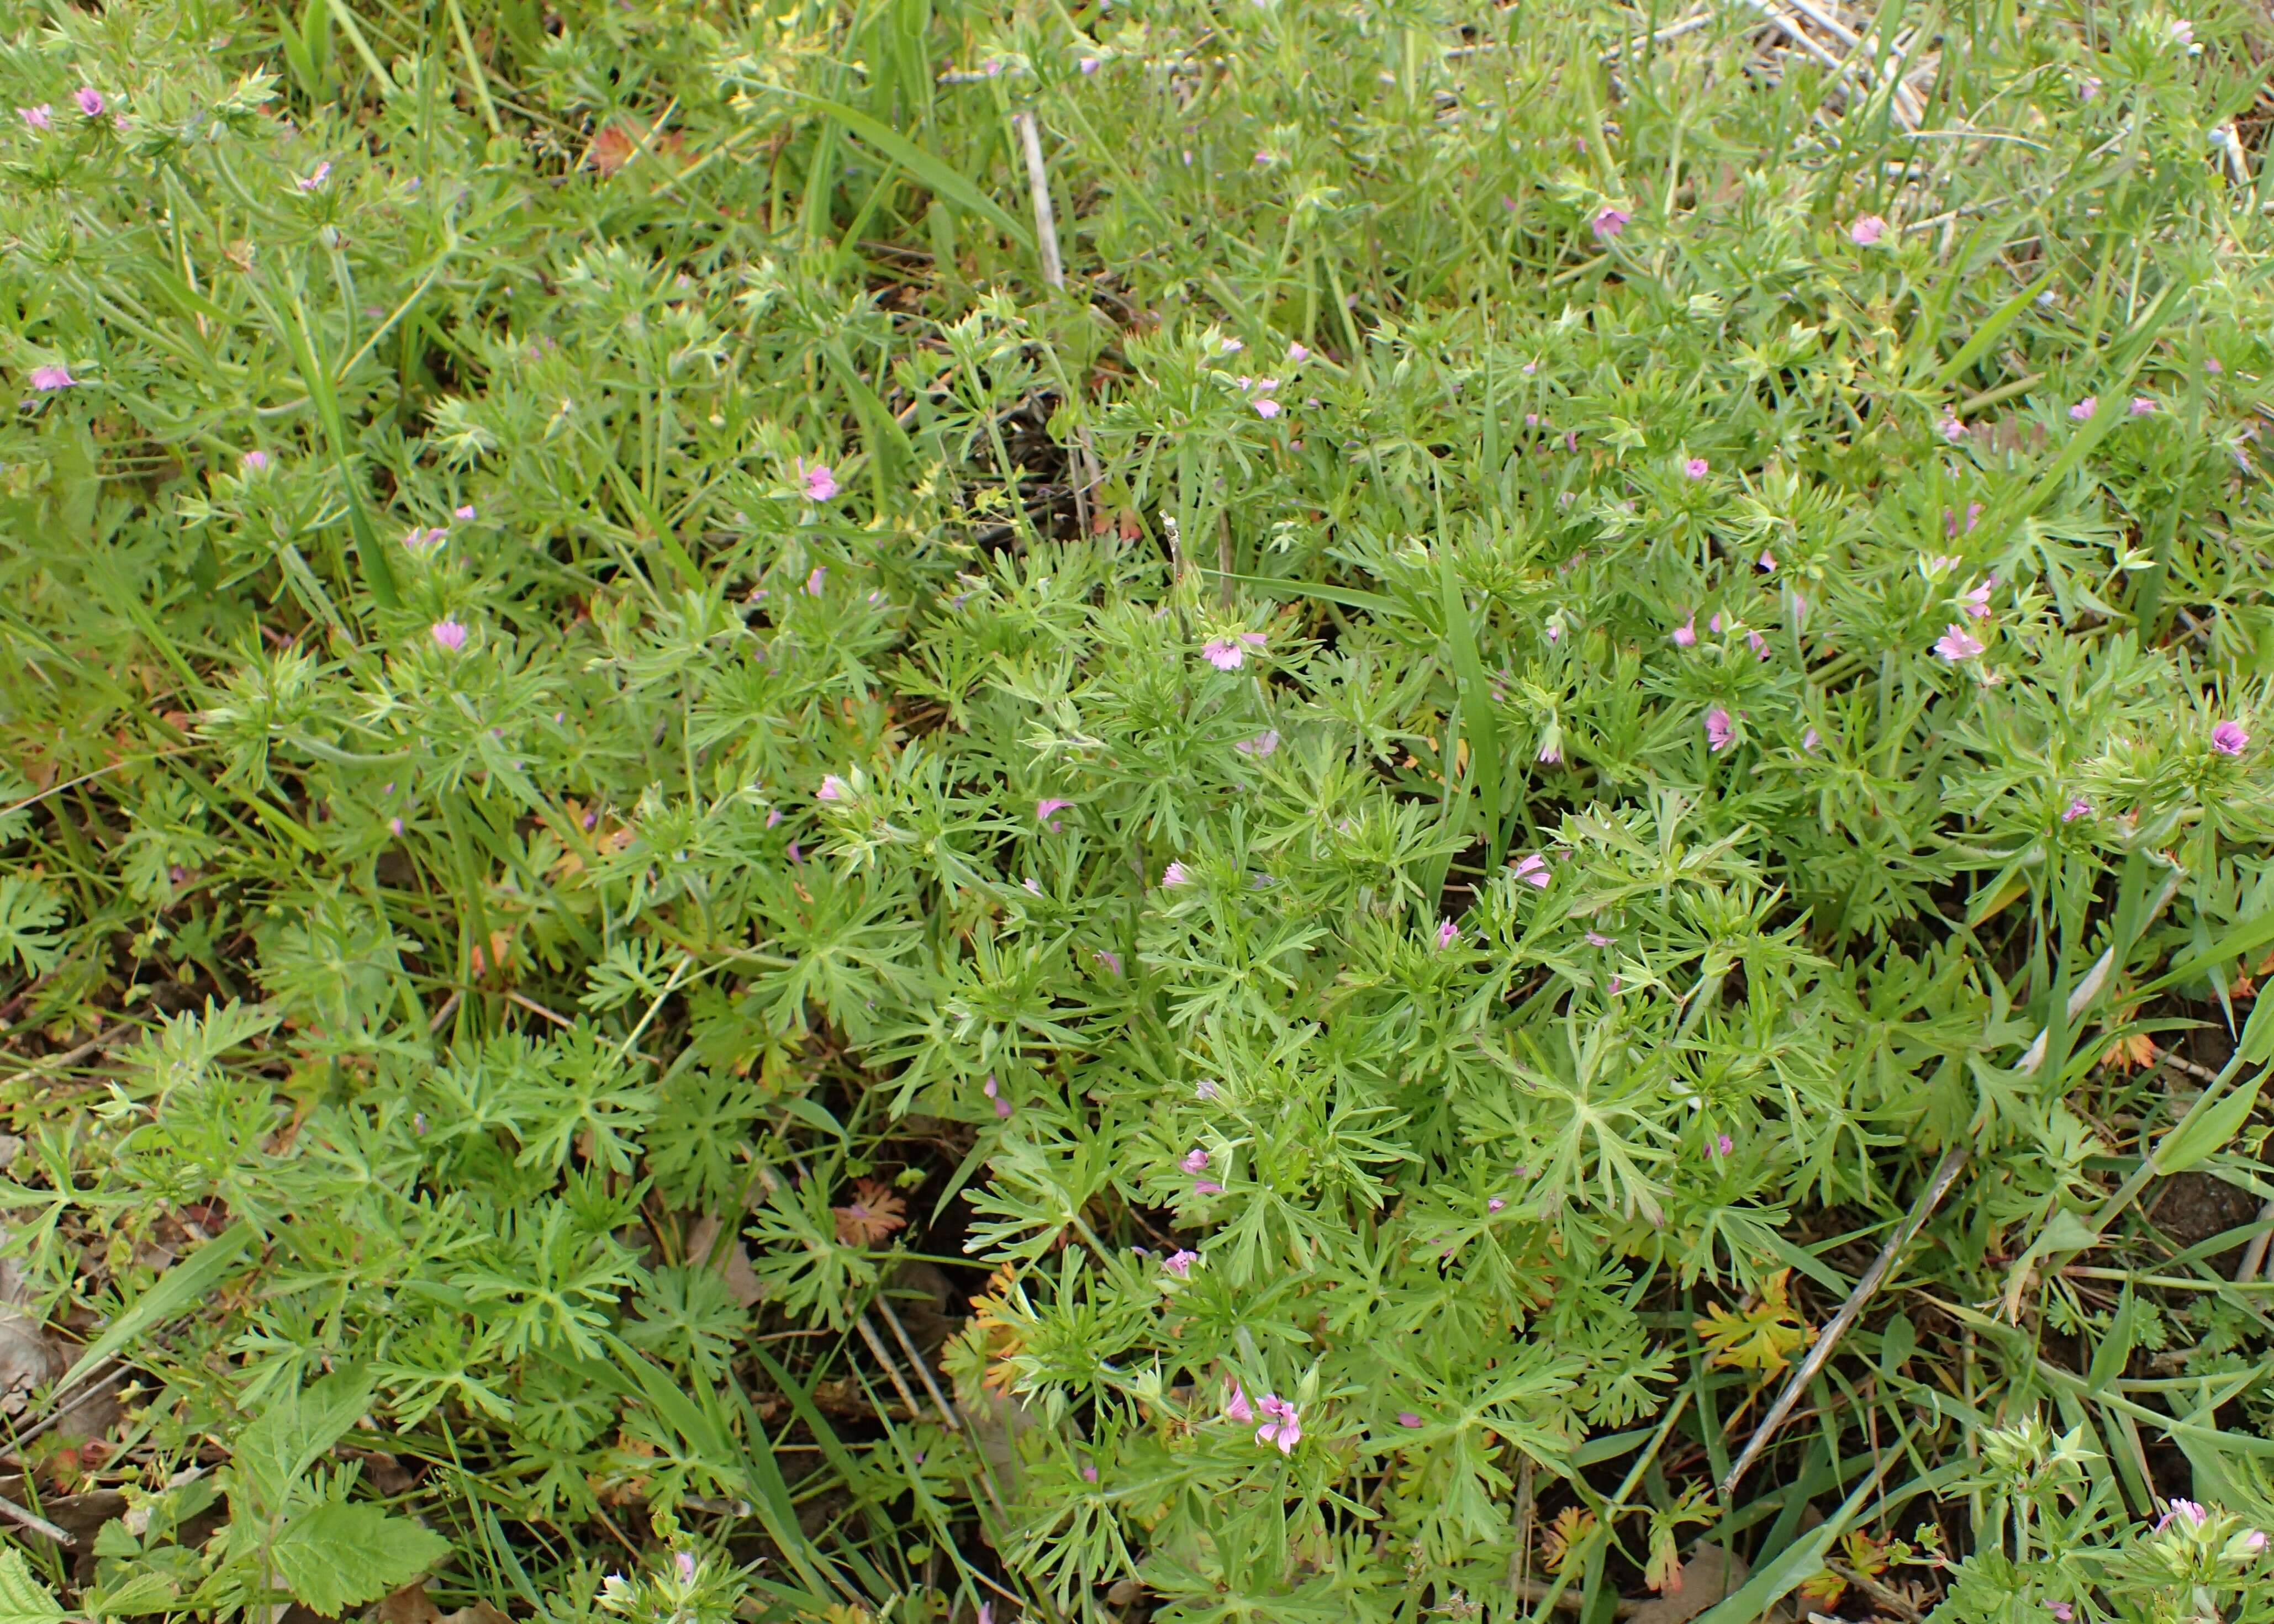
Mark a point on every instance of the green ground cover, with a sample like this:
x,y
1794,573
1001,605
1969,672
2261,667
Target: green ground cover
x,y
916,811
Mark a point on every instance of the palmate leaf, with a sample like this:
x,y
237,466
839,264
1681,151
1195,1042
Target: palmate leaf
x,y
336,1556
1763,1337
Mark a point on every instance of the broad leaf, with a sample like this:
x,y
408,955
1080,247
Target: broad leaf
x,y
337,1556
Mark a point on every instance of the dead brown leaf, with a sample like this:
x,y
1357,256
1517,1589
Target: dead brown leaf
x,y
620,142
734,1264
872,1216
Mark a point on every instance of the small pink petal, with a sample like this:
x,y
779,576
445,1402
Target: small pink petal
x,y
1957,644
449,634
1867,230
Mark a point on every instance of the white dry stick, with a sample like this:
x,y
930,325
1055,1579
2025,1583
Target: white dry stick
x,y
1046,233
1038,186
1953,1161
1672,31
2255,1254
1945,1174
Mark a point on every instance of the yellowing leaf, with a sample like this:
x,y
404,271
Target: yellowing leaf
x,y
1564,1541
1763,1337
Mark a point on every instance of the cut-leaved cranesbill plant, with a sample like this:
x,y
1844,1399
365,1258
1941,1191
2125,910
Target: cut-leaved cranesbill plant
x,y
1188,811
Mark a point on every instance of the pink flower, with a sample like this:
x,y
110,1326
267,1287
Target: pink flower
x,y
1950,525
1533,871
323,172
1550,751
2075,809
1296,355
1407,1419
1002,1105
1235,1405
1180,1263
1046,812
1204,1090
89,99
2085,409
2254,1541
1263,744
1284,1428
2228,739
1229,653
1088,64
1714,625
818,481
1266,408
2183,32
466,512
1610,221
2211,365
40,118
1719,730
1448,933
1957,644
253,461
814,582
1697,467
1088,1472
1107,957
1596,938
1975,603
1685,635
834,789
1175,874
1495,1204
2185,1511
1769,560
1951,429
1758,644
1722,1146
394,826
1940,563
2142,405
1810,739
53,378
449,633
1867,230
2061,1611
1196,1161
1207,1187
